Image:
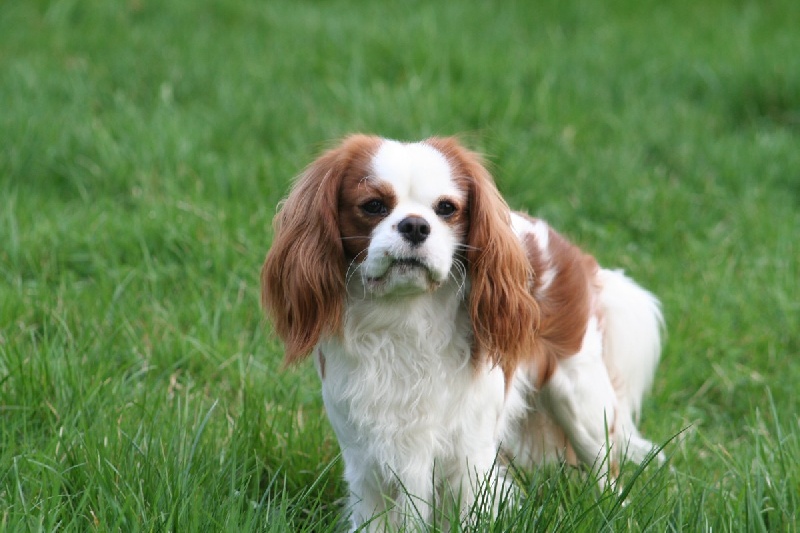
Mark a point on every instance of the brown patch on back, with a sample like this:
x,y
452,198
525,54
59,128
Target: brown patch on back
x,y
565,305
567,301
545,360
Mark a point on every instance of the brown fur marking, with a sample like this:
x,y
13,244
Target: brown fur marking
x,y
302,278
565,304
503,312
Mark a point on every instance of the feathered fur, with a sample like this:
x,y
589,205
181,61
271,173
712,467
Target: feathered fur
x,y
445,327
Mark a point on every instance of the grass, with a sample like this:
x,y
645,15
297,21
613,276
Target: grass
x,y
144,146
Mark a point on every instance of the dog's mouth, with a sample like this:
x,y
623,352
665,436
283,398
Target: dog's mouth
x,y
411,269
408,262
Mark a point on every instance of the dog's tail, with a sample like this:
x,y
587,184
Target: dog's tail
x,y
633,327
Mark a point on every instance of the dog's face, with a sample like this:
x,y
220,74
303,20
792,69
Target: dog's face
x,y
403,220
398,220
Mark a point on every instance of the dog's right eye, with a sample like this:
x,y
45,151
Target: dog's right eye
x,y
375,208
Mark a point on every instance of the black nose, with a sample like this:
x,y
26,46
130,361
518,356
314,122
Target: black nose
x,y
414,229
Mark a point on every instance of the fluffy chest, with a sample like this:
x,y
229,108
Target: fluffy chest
x,y
398,359
401,376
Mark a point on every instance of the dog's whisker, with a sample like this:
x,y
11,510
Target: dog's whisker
x,y
459,275
352,268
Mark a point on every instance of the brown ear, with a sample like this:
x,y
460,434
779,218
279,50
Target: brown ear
x,y
302,280
504,314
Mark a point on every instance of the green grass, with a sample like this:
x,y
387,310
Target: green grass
x,y
144,146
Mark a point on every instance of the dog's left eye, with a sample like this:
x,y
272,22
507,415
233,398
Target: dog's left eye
x,y
375,208
445,208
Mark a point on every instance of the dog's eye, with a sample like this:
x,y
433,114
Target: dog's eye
x,y
445,208
375,208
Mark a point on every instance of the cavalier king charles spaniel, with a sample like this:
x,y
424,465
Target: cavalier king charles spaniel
x,y
446,327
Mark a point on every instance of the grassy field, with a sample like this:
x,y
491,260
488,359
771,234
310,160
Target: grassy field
x,y
144,146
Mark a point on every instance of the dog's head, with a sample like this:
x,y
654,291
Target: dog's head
x,y
397,220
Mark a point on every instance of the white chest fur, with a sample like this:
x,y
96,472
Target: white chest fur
x,y
405,399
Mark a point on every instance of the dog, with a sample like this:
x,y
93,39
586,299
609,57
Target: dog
x,y
445,327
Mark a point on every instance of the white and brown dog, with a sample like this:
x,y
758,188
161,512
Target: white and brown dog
x,y
445,327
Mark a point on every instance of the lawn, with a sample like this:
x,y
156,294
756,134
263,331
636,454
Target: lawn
x,y
143,149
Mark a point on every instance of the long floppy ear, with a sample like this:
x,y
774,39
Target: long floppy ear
x,y
302,280
505,316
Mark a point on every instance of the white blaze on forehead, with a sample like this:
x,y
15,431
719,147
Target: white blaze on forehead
x,y
415,171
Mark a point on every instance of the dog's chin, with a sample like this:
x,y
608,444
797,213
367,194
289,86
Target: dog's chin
x,y
404,277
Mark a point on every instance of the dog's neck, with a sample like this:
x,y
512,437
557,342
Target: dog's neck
x,y
427,325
